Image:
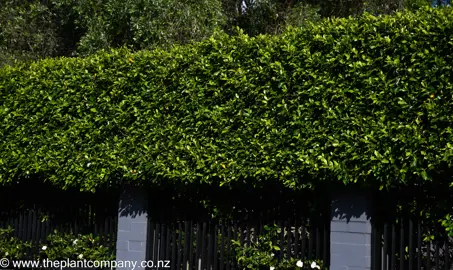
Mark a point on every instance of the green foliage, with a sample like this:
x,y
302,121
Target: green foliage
x,y
269,17
447,222
353,100
392,6
302,13
143,24
58,246
31,30
36,29
261,253
75,247
27,31
10,246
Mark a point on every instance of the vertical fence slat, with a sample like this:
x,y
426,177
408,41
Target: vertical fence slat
x,y
374,248
95,221
402,244
94,224
187,240
385,253
115,230
179,249
310,241
38,230
281,225
99,223
261,225
157,242
235,237
247,233
326,257
228,244
30,227
76,223
27,229
210,247
393,254
241,234
44,226
318,243
256,230
114,222
16,221
296,239
21,226
411,234
203,246
198,247
378,246
168,240
216,245
106,230
303,240
173,247
289,236
191,255
71,222
222,247
87,216
419,246
160,242
163,242
436,242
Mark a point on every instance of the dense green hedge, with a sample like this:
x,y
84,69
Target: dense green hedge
x,y
365,100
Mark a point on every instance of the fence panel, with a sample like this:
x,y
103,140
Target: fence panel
x,y
200,241
35,210
402,240
401,246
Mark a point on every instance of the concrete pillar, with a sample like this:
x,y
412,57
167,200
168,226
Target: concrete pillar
x,y
132,226
350,232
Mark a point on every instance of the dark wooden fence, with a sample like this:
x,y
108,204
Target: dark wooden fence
x,y
401,245
401,238
189,237
36,210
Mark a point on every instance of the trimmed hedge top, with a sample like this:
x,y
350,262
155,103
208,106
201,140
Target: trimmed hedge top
x,y
365,100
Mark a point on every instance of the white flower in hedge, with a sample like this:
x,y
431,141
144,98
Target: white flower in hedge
x,y
299,264
314,265
44,247
272,254
75,242
81,256
272,268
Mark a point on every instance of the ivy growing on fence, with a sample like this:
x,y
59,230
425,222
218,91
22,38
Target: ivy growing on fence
x,y
365,100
